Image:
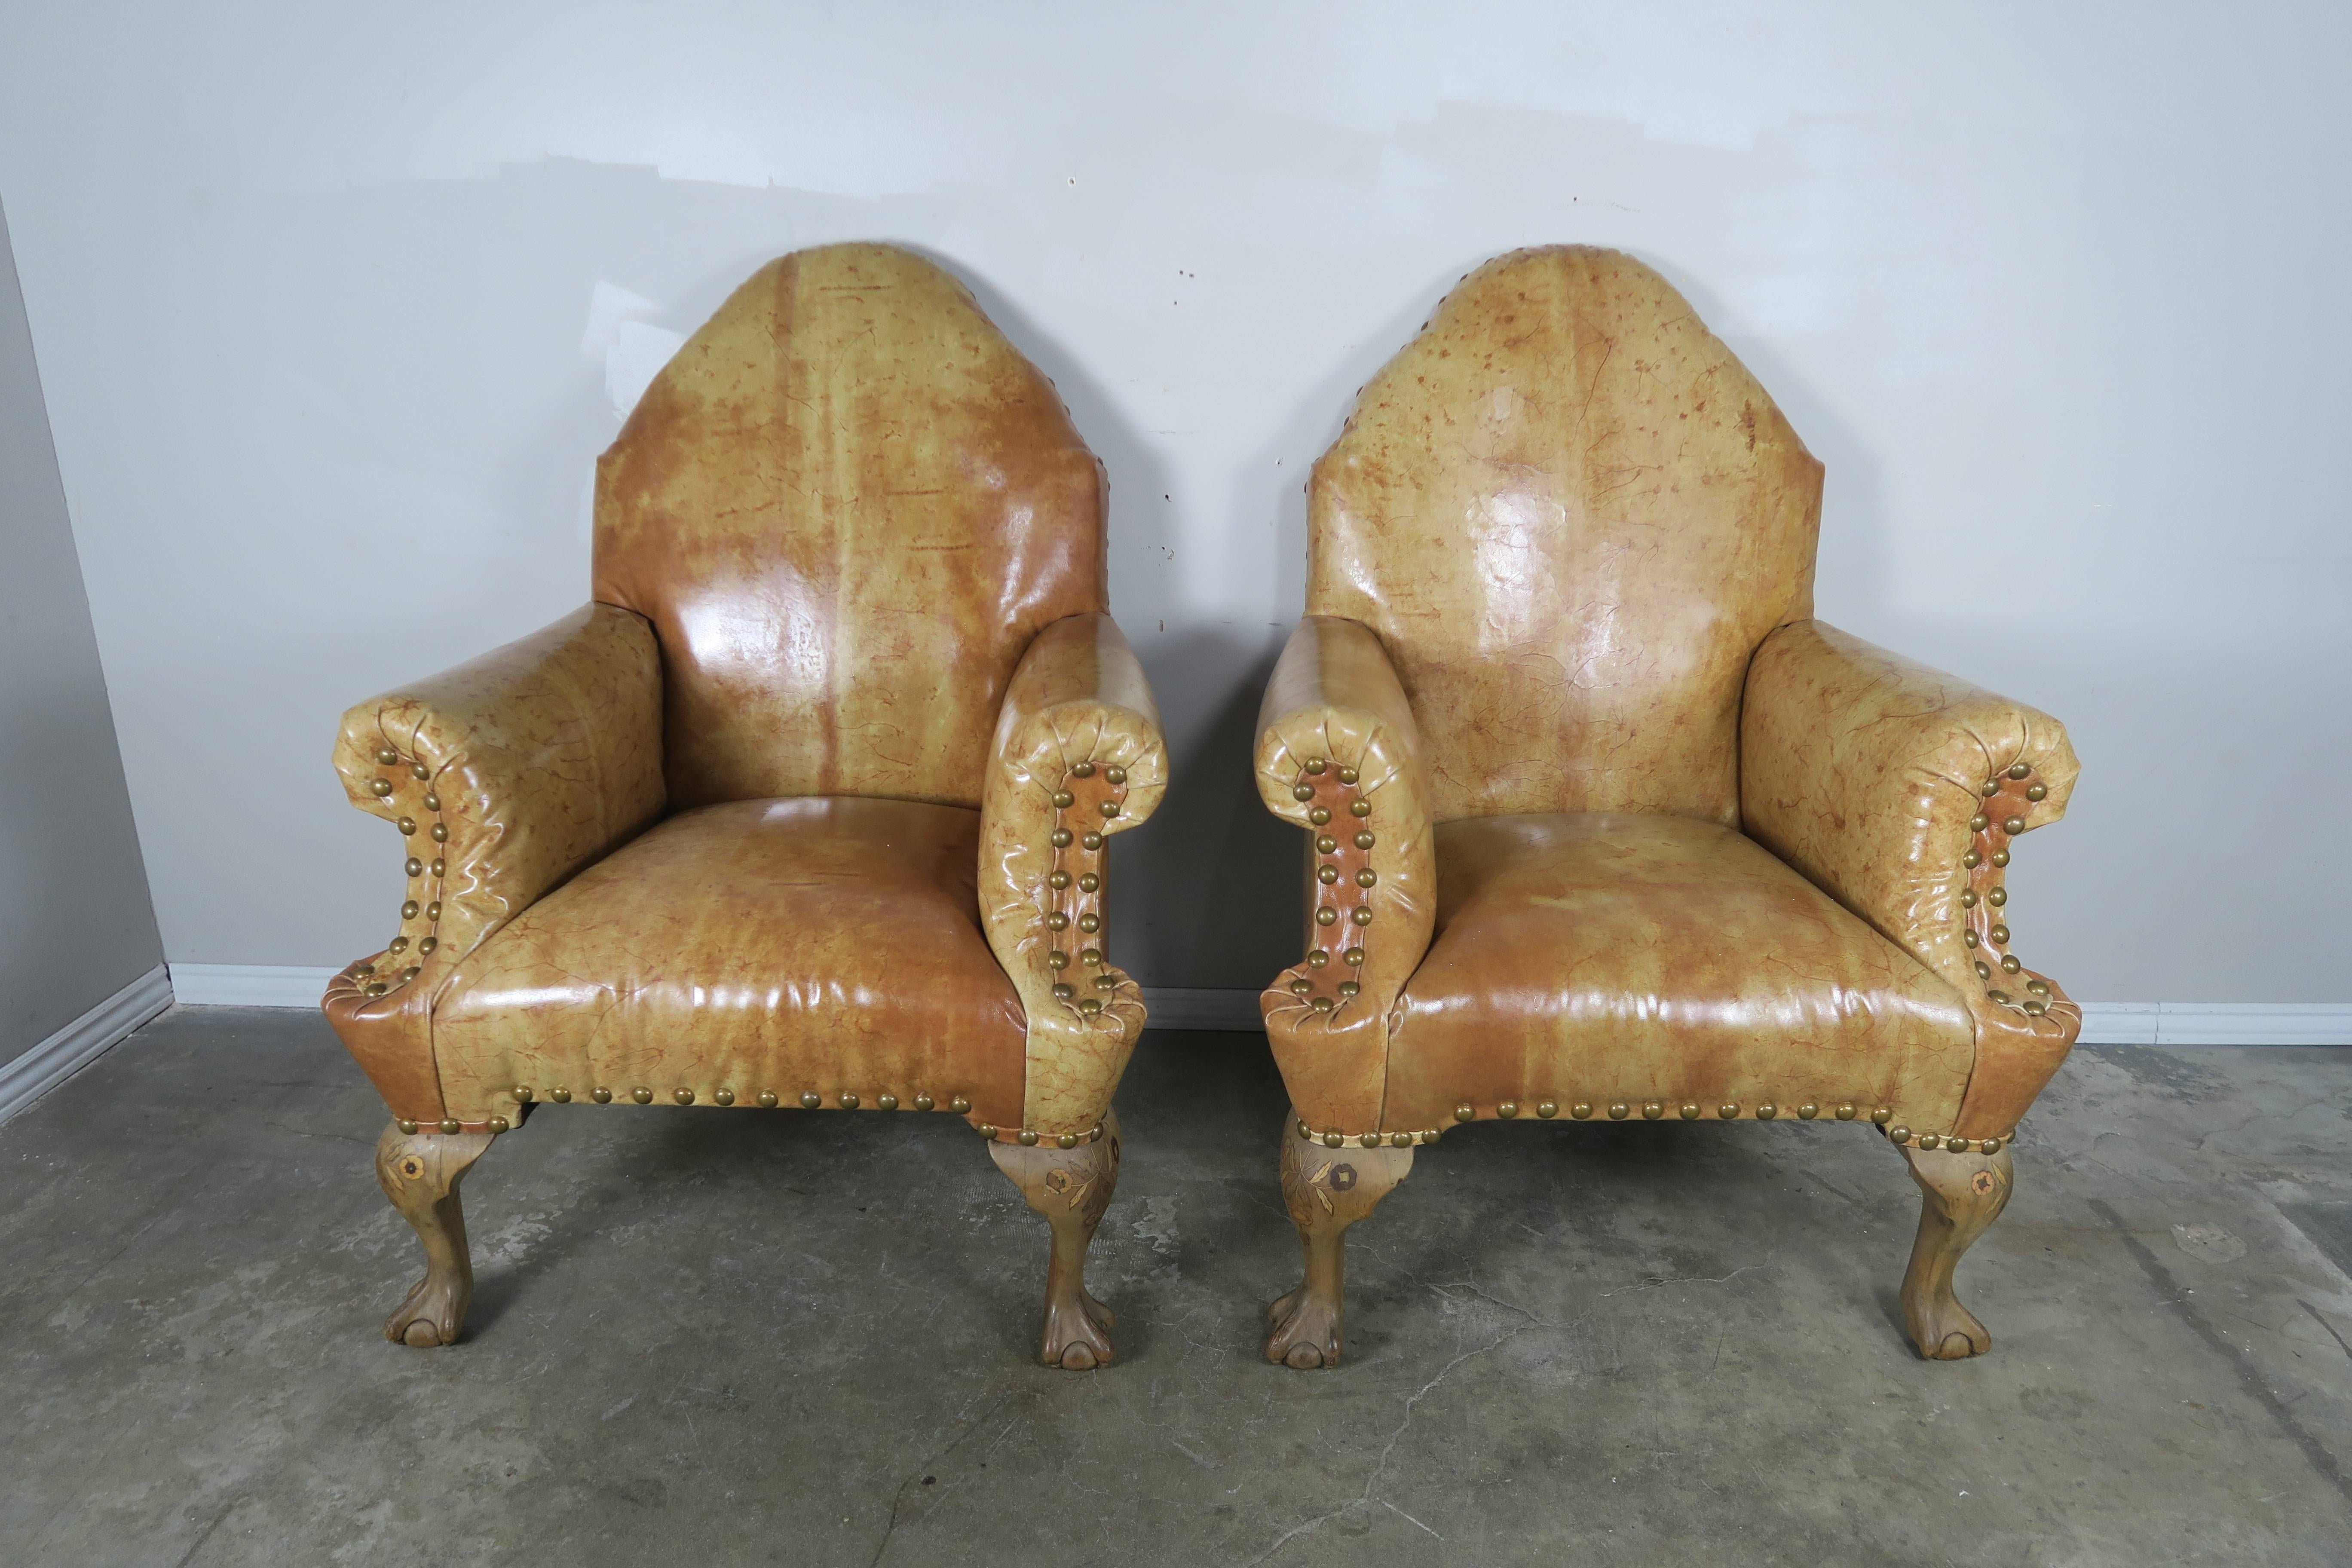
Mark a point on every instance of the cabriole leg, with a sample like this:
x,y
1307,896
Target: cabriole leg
x,y
1960,1196
1326,1190
1071,1187
420,1173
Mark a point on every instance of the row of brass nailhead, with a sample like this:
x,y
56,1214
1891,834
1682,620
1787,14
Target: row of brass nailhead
x,y
1327,875
2037,1001
1058,918
1029,1139
1332,1138
383,788
768,1099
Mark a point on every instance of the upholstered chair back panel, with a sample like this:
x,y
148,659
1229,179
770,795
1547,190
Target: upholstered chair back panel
x,y
846,506
1572,516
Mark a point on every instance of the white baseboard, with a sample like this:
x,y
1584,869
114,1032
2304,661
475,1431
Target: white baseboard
x,y
248,985
34,1074
1182,1007
2217,1023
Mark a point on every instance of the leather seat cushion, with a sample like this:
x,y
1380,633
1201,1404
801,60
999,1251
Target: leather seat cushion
x,y
822,944
1613,957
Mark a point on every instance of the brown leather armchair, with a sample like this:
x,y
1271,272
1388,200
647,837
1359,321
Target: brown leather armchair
x,y
807,808
1606,825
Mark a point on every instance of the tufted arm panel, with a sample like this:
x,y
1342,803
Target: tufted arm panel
x,y
1898,791
1339,755
505,776
1077,756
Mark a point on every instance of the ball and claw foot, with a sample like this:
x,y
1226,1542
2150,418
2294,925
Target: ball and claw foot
x,y
419,1173
1960,1196
1325,1190
1071,1187
1078,1333
1306,1331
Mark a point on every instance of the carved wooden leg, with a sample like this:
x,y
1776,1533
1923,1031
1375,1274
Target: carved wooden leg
x,y
420,1172
1071,1187
1326,1190
1962,1194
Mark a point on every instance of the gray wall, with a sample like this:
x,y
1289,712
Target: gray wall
x,y
75,922
336,316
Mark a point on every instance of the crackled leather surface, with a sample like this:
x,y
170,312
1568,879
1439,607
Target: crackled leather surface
x,y
820,945
1335,700
1620,958
846,505
1867,772
536,759
1566,545
1079,721
1571,514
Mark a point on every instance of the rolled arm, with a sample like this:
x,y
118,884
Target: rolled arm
x,y
1898,791
505,776
1077,756
1339,755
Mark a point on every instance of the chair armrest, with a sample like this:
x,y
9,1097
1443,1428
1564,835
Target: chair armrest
x,y
1339,755
505,775
1077,756
1897,790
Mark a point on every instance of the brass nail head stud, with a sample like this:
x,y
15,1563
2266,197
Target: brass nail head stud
x,y
1845,1111
959,1105
2019,770
1508,1108
1548,1108
886,1102
1067,1140
642,1095
1333,1138
1881,1116
386,755
1317,765
767,1099
1028,1140
810,1101
683,1096
1979,823
848,1102
1689,1111
601,1095
1729,1112
1302,792
1580,1109
1767,1111
1651,1109
1084,769
1115,775
2037,791
1617,1111
1808,1111
408,1127
451,1124
561,1095
924,1102
497,1124
1465,1113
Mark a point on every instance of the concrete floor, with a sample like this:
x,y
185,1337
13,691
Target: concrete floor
x,y
712,1338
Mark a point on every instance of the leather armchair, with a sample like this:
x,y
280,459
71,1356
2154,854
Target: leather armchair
x,y
1605,824
807,809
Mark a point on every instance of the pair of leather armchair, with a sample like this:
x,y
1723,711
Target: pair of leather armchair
x,y
809,807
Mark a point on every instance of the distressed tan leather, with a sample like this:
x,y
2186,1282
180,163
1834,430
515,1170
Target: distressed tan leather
x,y
1570,515
850,581
819,945
1567,543
1079,721
1620,958
847,505
537,758
1864,770
1335,699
